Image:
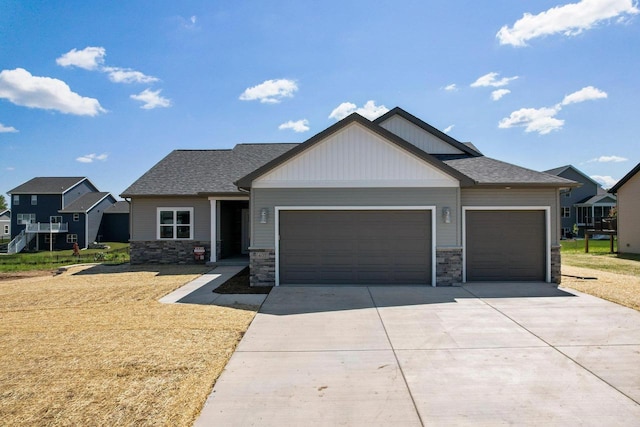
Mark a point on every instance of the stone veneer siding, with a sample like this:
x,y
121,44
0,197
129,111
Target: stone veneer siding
x,y
449,267
262,267
556,265
167,251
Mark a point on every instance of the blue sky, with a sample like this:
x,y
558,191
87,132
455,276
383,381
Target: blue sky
x,y
105,90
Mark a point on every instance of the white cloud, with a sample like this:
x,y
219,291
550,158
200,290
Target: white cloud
x,y
10,168
89,58
90,158
541,120
608,159
127,75
489,79
448,129
451,88
297,126
7,129
605,180
270,91
24,89
570,19
370,110
152,99
193,19
585,94
497,94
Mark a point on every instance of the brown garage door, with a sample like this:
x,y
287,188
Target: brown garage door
x,y
355,247
505,245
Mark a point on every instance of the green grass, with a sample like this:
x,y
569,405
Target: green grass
x,y
44,260
599,257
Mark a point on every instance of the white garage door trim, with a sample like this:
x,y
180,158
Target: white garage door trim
x,y
277,210
547,220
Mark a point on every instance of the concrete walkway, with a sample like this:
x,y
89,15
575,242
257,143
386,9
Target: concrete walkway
x,y
483,354
202,290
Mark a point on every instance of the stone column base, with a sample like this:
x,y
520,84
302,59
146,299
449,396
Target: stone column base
x,y
449,267
262,267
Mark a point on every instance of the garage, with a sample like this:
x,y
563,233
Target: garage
x,y
355,247
505,245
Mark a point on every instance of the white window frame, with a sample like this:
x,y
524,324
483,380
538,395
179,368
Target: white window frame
x,y
431,208
72,238
16,199
76,217
20,218
566,212
55,219
174,224
34,200
6,229
47,238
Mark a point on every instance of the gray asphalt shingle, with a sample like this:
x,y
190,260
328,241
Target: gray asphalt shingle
x,y
47,185
85,202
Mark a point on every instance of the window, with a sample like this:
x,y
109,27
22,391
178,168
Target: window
x,y
566,232
55,219
16,199
6,229
175,223
34,200
566,212
28,218
567,193
76,217
48,238
72,238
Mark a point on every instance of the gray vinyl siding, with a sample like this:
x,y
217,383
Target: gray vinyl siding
x,y
263,235
517,197
95,218
144,216
77,191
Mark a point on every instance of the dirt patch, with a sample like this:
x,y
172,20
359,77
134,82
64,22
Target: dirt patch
x,y
623,289
93,346
17,275
239,284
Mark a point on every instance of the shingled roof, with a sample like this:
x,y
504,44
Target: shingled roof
x,y
490,172
48,185
204,172
85,202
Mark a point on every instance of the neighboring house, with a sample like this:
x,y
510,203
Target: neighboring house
x,y
628,193
115,223
56,212
584,205
393,201
5,224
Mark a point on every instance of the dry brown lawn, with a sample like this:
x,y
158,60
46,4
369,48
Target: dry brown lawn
x,y
620,288
94,347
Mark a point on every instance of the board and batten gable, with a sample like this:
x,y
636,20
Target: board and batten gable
x,y
355,157
418,136
500,197
144,216
76,192
263,235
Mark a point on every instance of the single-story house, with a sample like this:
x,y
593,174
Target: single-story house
x,y
389,201
628,206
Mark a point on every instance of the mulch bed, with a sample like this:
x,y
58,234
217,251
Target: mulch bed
x,y
239,284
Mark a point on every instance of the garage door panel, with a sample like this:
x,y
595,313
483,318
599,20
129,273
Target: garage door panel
x,y
505,245
355,247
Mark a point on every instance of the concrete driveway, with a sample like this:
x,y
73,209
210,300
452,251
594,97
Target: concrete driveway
x,y
483,354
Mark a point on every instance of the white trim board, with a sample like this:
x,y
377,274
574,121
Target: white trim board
x,y
277,210
547,220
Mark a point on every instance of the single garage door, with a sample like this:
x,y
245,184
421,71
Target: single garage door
x,y
505,245
358,247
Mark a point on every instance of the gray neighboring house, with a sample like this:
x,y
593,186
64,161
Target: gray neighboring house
x,y
389,201
628,192
582,205
5,224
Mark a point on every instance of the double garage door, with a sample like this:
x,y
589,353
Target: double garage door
x,y
355,247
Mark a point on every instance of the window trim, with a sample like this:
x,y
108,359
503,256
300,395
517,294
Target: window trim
x,y
52,221
72,238
20,218
34,200
16,199
565,212
76,217
174,224
6,229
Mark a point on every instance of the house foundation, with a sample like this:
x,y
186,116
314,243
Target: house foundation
x,y
166,251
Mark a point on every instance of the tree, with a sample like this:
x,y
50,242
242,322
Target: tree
x,y
3,203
